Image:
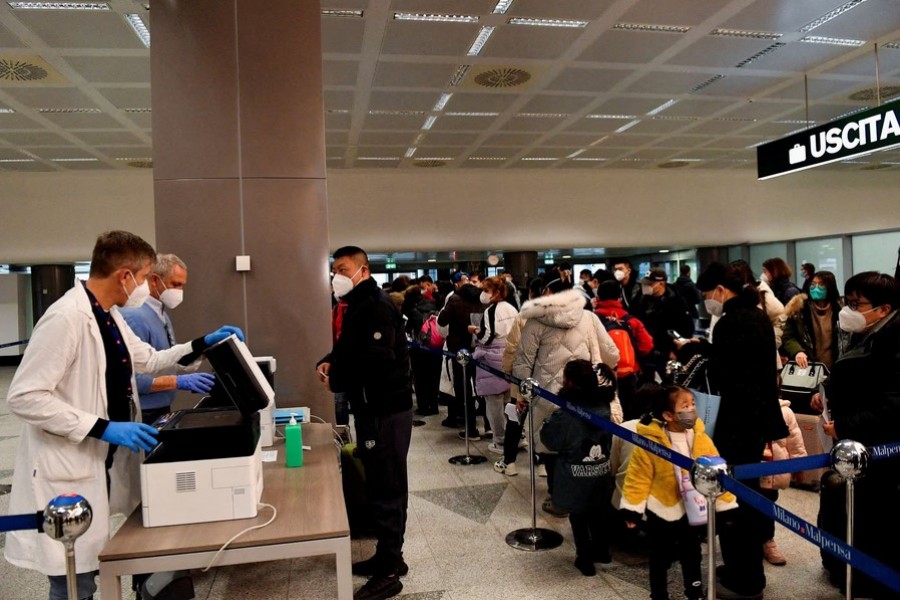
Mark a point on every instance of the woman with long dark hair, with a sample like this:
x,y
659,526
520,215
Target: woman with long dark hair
x,y
811,323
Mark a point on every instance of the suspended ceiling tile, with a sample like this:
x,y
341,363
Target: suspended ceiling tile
x,y
447,7
659,126
410,74
337,120
386,138
824,113
587,80
418,38
633,47
480,102
60,152
338,100
720,52
83,121
716,128
11,154
696,107
141,120
756,109
780,16
524,41
33,138
387,122
518,140
343,4
740,87
339,72
672,12
492,152
439,151
127,97
531,124
572,139
84,166
624,105
51,97
653,154
668,84
126,152
532,164
579,10
335,137
16,121
377,164
32,167
381,151
737,143
442,138
580,164
112,69
547,103
682,141
548,153
99,138
819,90
423,101
447,123
80,29
888,62
799,57
8,40
879,18
342,35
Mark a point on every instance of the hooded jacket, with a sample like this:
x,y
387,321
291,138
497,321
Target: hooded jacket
x,y
650,482
456,316
612,309
797,329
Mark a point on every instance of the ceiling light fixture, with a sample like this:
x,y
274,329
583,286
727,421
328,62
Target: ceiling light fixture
x,y
548,22
74,159
480,40
151,158
334,12
459,75
760,54
544,115
706,83
662,107
16,160
410,152
432,260
627,126
592,159
652,28
6,111
337,111
674,118
831,15
664,251
739,33
398,113
502,7
444,158
577,152
429,122
488,158
377,158
619,117
401,16
541,158
59,5
795,122
471,114
139,28
442,102
892,46
818,39
59,111
137,110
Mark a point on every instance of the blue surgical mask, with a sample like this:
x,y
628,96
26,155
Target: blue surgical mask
x,y
817,293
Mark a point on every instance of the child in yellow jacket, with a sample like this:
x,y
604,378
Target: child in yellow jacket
x,y
652,488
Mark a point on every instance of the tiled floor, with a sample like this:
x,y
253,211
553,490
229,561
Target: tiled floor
x,y
459,517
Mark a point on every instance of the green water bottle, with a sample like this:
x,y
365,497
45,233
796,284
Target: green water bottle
x,y
293,443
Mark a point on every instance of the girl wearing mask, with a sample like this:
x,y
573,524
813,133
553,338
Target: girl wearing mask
x,y
656,488
811,323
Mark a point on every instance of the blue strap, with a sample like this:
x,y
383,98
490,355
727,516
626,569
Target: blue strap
x,y
775,467
418,346
22,522
10,344
811,533
885,451
494,371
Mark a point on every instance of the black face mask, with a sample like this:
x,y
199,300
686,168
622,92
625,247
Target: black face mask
x,y
686,418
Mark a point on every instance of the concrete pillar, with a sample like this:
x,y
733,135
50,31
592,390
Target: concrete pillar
x,y
707,256
48,284
239,169
522,265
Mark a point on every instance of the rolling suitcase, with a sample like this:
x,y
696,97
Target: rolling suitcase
x,y
814,440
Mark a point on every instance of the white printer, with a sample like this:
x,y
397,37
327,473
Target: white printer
x,y
207,466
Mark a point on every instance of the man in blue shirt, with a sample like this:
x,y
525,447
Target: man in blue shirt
x,y
151,323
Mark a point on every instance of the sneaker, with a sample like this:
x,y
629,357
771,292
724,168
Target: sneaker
x,y
379,588
368,567
506,469
773,554
541,471
548,507
586,566
473,437
495,448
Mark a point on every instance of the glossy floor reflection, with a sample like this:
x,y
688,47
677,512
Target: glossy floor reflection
x,y
459,517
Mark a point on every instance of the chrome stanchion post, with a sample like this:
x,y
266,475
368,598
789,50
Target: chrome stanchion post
x,y
850,459
65,519
462,357
706,476
532,539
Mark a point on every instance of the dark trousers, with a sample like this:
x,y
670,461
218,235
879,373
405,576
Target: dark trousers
x,y
549,462
589,529
512,436
627,390
426,370
770,524
383,444
670,540
462,391
741,538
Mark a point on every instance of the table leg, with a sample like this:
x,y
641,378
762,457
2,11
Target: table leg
x,y
342,561
110,586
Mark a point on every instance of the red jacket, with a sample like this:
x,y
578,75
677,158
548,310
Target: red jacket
x,y
643,341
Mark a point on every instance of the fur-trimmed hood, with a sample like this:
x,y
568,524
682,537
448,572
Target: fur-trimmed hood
x,y
794,306
562,311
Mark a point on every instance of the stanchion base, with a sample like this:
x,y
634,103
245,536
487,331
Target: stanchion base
x,y
467,459
418,423
534,540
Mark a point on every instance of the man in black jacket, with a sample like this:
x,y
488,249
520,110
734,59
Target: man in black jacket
x,y
370,363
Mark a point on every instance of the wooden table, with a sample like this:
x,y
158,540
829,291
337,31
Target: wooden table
x,y
312,520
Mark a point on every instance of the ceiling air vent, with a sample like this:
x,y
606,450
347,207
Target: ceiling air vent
x,y
140,164
673,164
430,163
887,91
27,70
502,78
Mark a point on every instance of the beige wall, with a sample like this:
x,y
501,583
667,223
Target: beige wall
x,y
56,216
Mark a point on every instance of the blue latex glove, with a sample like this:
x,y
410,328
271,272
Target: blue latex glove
x,y
221,333
134,436
199,383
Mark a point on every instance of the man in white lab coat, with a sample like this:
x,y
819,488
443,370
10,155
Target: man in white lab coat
x,y
75,392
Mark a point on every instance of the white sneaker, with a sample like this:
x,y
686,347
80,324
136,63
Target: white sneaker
x,y
506,469
495,448
541,471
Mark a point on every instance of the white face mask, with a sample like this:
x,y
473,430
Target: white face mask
x,y
485,298
619,274
764,277
853,321
171,297
342,284
138,294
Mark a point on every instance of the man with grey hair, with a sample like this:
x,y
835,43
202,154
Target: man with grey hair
x,y
151,323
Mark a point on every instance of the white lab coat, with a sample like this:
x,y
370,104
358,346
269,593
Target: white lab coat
x,y
59,391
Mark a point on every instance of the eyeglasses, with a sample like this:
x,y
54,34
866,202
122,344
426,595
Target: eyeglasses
x,y
855,304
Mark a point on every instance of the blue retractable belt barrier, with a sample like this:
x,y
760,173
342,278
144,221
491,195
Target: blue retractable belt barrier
x,y
20,522
10,344
811,533
776,467
885,451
